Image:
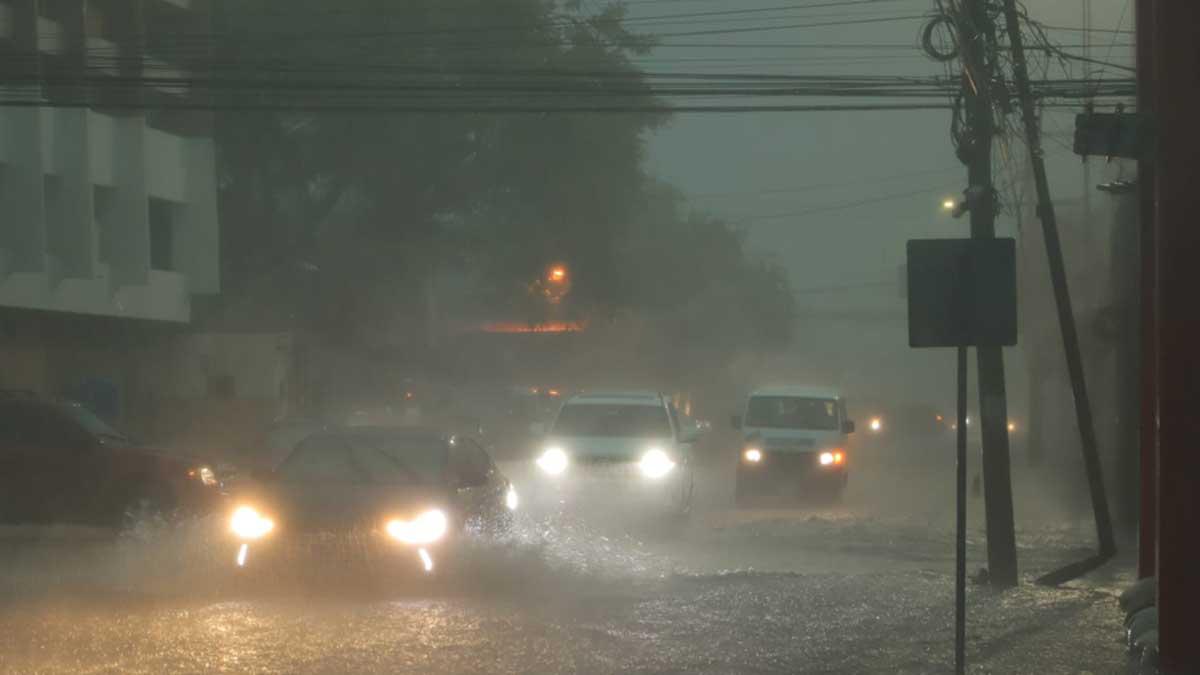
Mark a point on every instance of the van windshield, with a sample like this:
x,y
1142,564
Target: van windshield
x,y
790,412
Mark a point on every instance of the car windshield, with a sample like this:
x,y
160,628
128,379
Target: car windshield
x,y
790,412
619,420
367,457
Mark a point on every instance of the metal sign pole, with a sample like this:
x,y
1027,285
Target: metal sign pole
x,y
960,553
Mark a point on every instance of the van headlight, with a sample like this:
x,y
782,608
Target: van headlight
x,y
553,461
655,463
835,457
426,528
248,523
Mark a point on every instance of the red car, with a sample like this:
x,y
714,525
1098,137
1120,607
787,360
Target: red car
x,y
60,464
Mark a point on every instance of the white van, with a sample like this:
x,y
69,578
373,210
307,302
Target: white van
x,y
794,442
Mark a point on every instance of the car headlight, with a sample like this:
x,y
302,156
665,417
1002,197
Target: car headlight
x,y
204,474
752,455
553,461
248,523
426,528
511,500
655,463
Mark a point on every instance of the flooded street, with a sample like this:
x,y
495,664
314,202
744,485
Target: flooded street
x,y
856,587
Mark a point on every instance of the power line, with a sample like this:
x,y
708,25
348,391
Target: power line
x,y
1077,29
1108,53
821,186
470,108
842,206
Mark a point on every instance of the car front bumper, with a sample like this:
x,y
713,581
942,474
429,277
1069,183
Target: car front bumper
x,y
788,472
297,549
612,481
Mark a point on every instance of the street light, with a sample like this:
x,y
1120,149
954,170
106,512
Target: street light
x,y
949,204
557,274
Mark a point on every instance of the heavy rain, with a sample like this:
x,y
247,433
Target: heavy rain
x,y
579,336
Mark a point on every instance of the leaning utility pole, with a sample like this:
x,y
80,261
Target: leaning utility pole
x,y
976,34
1058,278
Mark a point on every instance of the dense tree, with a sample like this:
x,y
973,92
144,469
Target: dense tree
x,y
377,198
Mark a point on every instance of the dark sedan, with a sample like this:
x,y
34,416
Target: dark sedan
x,y
60,464
414,490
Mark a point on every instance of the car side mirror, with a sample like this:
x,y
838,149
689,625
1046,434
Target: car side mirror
x,y
736,422
848,427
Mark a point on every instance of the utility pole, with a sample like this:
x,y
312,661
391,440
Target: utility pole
x,y
1087,165
1176,106
976,37
1058,279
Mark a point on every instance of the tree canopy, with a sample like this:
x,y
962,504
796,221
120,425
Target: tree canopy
x,y
378,197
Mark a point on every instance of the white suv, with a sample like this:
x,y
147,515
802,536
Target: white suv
x,y
637,438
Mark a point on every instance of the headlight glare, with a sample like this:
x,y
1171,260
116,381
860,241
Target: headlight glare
x,y
248,523
832,457
426,528
511,500
655,463
752,455
204,474
553,461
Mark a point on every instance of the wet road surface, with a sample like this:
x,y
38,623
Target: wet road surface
x,y
858,587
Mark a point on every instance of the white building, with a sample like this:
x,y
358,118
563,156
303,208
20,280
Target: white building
x,y
107,197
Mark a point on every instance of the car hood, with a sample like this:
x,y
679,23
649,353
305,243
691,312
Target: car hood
x,y
607,448
793,440
156,456
317,506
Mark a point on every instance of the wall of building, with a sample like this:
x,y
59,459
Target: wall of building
x,y
104,210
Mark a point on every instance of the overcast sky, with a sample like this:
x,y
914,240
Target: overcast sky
x,y
726,162
900,163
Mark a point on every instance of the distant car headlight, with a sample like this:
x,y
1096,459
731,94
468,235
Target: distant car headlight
x,y
752,455
826,458
553,461
511,500
248,523
204,474
426,528
876,424
655,463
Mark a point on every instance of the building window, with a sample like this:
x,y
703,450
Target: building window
x,y
162,235
54,212
103,199
6,20
94,24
